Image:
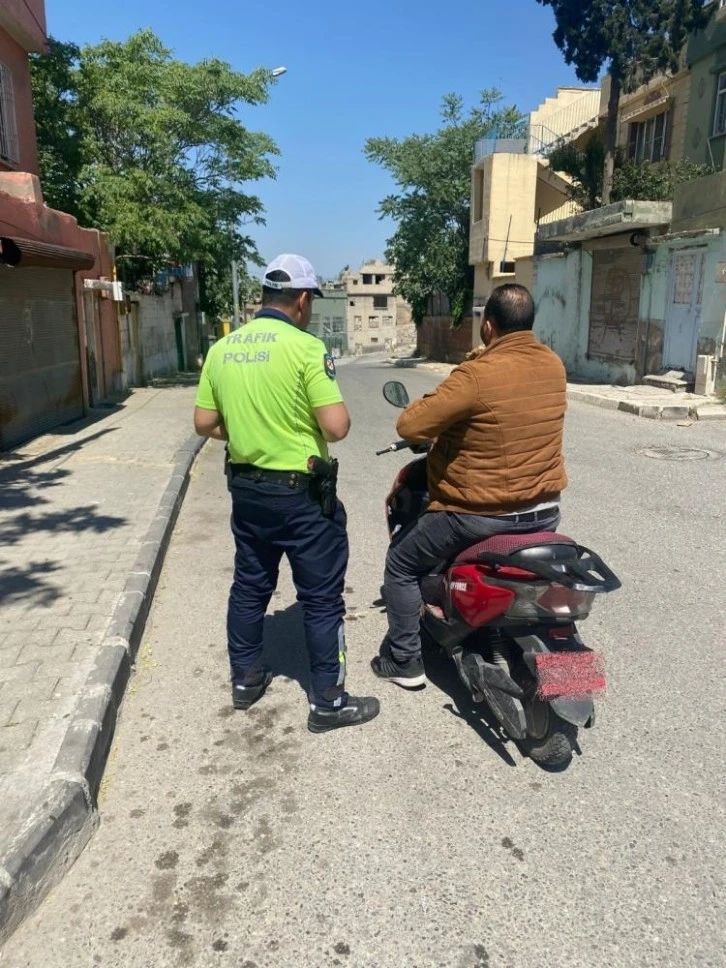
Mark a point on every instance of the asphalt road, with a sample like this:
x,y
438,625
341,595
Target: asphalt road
x,y
421,840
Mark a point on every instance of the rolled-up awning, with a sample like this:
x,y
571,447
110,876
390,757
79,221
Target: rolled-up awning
x,y
20,253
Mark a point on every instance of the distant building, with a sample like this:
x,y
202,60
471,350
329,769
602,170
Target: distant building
x,y
329,318
376,318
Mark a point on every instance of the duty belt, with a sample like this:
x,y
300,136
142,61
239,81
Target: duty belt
x,y
252,473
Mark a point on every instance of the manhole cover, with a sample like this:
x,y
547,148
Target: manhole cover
x,y
676,453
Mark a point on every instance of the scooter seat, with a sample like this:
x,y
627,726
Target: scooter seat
x,y
522,548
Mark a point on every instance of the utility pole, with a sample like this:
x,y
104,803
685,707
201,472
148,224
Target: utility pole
x,y
235,294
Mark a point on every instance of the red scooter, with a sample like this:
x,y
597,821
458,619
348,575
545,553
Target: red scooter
x,y
505,610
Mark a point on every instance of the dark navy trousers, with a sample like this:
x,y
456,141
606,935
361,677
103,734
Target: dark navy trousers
x,y
269,520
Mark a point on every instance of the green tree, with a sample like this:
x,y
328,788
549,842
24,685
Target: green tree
x,y
634,40
631,180
152,151
584,166
655,183
430,247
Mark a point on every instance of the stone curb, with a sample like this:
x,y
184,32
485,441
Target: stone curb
x,y
649,411
59,826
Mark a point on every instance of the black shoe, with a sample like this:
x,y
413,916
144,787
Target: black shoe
x,y
358,710
245,696
409,675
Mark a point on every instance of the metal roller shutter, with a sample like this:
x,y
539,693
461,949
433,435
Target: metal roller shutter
x,y
615,304
40,367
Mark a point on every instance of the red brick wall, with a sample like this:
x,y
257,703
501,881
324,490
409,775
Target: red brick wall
x,y
437,339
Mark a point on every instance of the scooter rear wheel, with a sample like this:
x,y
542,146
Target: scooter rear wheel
x,y
553,741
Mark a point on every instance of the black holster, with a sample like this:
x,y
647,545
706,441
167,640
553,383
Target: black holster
x,y
227,467
324,484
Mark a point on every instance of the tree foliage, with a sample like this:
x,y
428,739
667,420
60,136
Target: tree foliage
x,y
584,166
151,150
634,40
654,182
632,180
430,246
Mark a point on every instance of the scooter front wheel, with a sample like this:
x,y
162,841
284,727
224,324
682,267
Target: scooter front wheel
x,y
550,740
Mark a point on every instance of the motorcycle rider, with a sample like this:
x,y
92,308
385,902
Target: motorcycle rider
x,y
496,465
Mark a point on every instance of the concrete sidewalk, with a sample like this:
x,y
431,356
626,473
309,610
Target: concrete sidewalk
x,y
85,517
640,401
647,401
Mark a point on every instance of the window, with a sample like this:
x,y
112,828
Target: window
x,y
367,279
380,280
355,282
380,302
374,339
648,139
358,322
478,195
352,302
373,322
719,123
338,324
388,320
8,127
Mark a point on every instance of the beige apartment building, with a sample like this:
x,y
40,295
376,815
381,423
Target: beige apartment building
x,y
514,190
652,120
376,318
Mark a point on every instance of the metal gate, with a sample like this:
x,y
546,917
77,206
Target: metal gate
x,y
40,367
683,315
615,305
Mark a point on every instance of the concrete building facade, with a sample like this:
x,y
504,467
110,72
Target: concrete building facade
x,y
59,339
705,138
639,291
374,312
653,120
514,190
329,319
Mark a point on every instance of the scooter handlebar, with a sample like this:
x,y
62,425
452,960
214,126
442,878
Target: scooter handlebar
x,y
393,448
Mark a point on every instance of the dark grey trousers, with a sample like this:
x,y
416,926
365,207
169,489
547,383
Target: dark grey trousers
x,y
436,537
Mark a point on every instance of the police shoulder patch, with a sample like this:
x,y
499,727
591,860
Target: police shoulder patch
x,y
329,365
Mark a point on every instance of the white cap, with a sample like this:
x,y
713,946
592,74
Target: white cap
x,y
300,273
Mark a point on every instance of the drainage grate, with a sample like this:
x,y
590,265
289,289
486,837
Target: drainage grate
x,y
677,453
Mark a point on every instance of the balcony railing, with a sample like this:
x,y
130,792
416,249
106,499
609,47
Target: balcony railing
x,y
539,139
568,210
573,119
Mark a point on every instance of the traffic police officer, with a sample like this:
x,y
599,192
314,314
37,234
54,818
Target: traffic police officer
x,y
270,390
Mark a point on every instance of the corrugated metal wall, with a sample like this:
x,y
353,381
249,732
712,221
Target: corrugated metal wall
x,y
40,367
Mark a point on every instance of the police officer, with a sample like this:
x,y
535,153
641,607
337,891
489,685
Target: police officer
x,y
270,390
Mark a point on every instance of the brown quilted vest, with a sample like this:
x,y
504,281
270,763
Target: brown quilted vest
x,y
497,422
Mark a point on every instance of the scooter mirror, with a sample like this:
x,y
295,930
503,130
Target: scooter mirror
x,y
396,394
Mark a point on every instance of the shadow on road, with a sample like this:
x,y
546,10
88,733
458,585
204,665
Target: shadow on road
x,y
284,649
441,672
26,510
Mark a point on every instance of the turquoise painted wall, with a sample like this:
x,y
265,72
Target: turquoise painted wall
x,y
562,296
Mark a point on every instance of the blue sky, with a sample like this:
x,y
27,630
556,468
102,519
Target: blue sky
x,y
378,69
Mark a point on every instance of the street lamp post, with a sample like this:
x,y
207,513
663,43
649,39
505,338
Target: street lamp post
x,y
275,72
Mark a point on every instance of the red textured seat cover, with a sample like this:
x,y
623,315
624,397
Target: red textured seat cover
x,y
507,544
